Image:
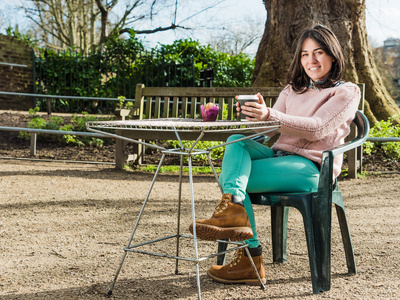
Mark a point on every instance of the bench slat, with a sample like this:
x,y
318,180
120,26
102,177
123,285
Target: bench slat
x,y
148,107
184,107
221,102
157,108
166,107
231,110
193,107
175,107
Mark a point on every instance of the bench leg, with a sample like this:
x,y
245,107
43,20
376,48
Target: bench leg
x,y
121,158
119,154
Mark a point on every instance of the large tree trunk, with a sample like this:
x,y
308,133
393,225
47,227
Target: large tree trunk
x,y
286,19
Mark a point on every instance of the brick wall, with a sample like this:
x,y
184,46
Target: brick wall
x,y
13,78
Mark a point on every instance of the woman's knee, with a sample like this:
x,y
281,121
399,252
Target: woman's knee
x,y
235,137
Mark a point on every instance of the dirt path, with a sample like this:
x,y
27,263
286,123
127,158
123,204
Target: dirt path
x,y
63,228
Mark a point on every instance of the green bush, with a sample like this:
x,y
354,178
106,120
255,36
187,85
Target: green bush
x,y
77,123
28,39
122,63
109,72
229,71
384,129
40,123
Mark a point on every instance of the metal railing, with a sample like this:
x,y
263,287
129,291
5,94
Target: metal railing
x,y
383,139
13,65
49,98
35,132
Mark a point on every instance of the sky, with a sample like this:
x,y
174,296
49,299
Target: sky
x,y
382,20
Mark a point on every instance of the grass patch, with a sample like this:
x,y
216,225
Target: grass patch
x,y
345,174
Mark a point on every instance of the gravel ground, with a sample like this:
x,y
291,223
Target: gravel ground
x,y
63,228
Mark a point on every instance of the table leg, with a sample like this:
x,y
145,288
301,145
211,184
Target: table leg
x,y
196,255
254,267
214,172
179,213
136,224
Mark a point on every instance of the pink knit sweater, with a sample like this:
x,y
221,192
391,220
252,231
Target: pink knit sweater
x,y
315,121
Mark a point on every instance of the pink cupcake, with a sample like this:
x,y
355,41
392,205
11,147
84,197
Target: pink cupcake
x,y
209,112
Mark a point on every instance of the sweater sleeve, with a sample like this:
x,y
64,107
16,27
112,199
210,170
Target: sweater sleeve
x,y
280,102
340,106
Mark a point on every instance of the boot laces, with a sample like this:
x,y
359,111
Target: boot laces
x,y
222,205
236,258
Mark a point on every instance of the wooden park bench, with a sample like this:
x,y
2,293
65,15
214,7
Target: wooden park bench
x,y
184,102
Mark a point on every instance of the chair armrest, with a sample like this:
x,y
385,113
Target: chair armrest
x,y
348,146
259,138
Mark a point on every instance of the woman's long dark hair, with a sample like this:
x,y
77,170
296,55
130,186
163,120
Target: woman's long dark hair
x,y
328,42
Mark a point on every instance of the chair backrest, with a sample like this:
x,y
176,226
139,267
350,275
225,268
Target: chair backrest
x,y
362,124
325,186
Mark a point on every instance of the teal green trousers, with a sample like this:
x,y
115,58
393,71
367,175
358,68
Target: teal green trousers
x,y
250,167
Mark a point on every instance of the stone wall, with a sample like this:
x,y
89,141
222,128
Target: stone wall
x,y
17,79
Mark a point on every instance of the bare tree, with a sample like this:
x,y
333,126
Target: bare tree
x,y
2,19
238,39
105,7
65,23
87,23
286,20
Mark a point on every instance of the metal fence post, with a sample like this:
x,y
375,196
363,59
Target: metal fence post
x,y
163,67
193,70
33,143
34,76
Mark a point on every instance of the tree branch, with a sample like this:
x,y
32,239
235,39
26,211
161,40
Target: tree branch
x,y
159,29
121,23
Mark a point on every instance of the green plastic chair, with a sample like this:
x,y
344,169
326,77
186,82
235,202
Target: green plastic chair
x,y
316,209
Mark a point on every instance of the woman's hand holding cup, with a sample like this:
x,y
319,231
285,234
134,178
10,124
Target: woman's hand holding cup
x,y
251,108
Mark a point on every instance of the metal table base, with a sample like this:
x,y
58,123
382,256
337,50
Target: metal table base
x,y
189,152
178,236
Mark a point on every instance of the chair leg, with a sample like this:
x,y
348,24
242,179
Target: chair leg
x,y
322,217
346,238
221,258
279,220
312,251
360,158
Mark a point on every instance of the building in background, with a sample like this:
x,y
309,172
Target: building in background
x,y
388,62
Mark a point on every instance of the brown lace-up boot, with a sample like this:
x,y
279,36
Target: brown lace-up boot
x,y
229,221
240,269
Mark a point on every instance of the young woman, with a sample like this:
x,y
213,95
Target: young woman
x,y
315,110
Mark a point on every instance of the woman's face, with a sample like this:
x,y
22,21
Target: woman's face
x,y
314,60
